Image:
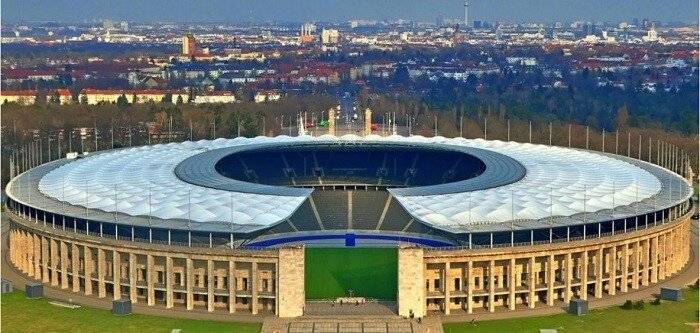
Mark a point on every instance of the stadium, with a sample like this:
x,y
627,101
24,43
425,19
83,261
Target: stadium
x,y
427,225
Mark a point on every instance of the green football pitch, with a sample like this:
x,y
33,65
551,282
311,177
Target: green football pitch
x,y
368,272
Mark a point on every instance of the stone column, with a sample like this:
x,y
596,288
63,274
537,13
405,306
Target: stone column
x,y
583,294
470,287
511,284
169,282
599,273
44,260
445,287
232,286
254,288
89,268
64,265
117,274
54,262
411,282
645,262
654,260
567,277
75,263
132,278
612,282
210,285
101,272
531,283
492,286
150,277
29,249
550,280
189,272
37,257
625,268
661,270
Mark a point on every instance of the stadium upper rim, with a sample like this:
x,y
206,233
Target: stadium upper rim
x,y
560,187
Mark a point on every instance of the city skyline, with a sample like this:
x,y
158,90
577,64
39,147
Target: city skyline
x,y
316,10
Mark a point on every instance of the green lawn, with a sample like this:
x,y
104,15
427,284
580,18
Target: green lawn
x,y
369,272
24,315
666,317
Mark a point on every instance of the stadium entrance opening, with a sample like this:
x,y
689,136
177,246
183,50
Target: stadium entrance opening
x,y
351,273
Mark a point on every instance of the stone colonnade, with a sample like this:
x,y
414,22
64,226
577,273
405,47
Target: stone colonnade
x,y
468,281
234,281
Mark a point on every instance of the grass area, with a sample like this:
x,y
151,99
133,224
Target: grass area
x,y
369,272
24,315
666,317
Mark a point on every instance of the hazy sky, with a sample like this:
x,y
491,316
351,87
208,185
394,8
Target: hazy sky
x,y
336,10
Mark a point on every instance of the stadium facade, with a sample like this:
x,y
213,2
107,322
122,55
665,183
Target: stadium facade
x,y
479,225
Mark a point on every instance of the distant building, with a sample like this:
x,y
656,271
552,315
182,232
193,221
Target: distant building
x,y
652,35
329,36
22,97
267,96
215,97
189,45
306,33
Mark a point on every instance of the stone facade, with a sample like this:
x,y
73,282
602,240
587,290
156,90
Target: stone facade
x,y
272,281
523,277
191,278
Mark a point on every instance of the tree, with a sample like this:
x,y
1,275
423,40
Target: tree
x,y
55,98
622,119
122,101
179,100
167,98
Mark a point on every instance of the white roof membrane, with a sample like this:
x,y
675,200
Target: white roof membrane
x,y
558,182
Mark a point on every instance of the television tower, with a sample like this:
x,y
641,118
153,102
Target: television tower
x,y
466,14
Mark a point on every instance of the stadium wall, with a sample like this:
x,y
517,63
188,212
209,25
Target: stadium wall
x,y
447,281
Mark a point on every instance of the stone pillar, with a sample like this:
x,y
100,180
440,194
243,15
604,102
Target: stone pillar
x,y
511,284
550,280
331,121
254,285
368,121
54,262
132,278
189,272
445,288
288,312
169,280
661,270
210,285
64,265
599,273
44,260
290,281
470,287
101,272
411,282
583,294
531,283
37,257
117,274
75,265
492,286
29,249
624,280
645,262
150,277
654,260
89,268
612,282
567,277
